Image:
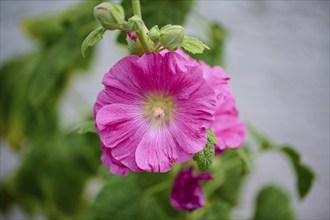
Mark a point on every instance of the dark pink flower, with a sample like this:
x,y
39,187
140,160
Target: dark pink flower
x,y
153,112
186,193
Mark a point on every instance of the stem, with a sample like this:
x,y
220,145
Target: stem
x,y
157,188
143,39
141,33
136,8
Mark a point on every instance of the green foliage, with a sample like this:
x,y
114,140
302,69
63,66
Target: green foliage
x,y
85,127
92,39
55,167
133,197
273,203
244,157
262,140
304,175
216,42
158,13
32,85
193,45
216,210
53,174
233,169
205,157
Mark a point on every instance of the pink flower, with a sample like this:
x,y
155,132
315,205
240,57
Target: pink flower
x,y
229,130
153,112
186,193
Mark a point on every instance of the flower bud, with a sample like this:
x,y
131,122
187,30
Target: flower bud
x,y
171,36
134,23
134,44
109,15
154,33
132,36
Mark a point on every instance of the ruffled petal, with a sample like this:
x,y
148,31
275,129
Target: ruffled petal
x,y
101,100
120,82
115,166
121,128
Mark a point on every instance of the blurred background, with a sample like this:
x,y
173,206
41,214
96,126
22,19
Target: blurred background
x,y
277,55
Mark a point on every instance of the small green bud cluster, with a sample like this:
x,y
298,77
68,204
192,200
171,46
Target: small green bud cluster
x,y
111,16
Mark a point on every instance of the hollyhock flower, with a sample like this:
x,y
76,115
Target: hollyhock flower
x,y
229,130
152,112
186,193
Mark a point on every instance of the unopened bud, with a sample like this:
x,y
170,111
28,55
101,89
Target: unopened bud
x,y
154,33
171,36
134,46
133,24
110,15
132,36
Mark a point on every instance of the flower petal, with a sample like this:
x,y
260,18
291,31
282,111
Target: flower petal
x,y
116,167
101,100
157,150
121,128
120,82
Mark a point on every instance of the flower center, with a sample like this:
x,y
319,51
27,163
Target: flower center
x,y
159,108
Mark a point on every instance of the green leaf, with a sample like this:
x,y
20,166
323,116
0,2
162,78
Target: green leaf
x,y
84,127
304,175
230,189
216,41
123,198
193,45
246,164
217,210
158,13
262,140
92,39
204,157
273,203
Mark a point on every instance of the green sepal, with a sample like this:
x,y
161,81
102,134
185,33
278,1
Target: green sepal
x,y
92,39
204,157
193,45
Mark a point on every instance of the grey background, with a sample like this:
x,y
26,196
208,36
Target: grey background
x,y
278,59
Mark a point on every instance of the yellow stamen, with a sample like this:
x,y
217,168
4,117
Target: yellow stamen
x,y
159,108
